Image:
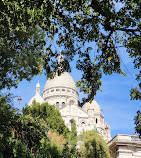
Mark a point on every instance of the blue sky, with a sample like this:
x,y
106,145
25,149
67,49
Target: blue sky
x,y
114,100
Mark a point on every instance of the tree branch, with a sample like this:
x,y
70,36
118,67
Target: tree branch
x,y
127,30
106,42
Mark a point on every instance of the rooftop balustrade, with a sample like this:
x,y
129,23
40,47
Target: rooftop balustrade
x,y
124,138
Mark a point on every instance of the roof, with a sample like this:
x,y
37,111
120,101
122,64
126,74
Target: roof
x,y
64,80
92,106
36,98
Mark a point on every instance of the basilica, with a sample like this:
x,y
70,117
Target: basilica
x,y
62,93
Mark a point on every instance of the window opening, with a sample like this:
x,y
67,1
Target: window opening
x,y
63,104
96,120
57,105
71,122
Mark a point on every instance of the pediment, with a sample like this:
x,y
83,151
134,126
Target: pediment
x,y
73,110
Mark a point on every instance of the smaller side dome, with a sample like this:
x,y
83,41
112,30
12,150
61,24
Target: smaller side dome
x,y
92,106
37,96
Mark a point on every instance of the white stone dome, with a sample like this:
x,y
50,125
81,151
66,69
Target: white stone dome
x,y
64,80
92,106
60,90
37,98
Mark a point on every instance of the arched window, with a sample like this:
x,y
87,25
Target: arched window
x,y
57,105
83,126
63,104
96,120
71,124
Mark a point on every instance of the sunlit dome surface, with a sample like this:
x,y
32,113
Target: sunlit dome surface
x,y
92,106
37,98
64,80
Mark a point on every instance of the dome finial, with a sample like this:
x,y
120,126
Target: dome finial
x,y
60,57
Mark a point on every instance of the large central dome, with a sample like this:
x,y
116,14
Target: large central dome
x,y
64,80
61,90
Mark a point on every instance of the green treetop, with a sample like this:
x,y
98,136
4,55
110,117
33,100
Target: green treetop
x,y
49,114
94,146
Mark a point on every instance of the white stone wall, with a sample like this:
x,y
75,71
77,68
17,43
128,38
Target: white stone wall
x,y
62,93
125,146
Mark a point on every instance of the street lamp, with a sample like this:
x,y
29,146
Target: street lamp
x,y
19,100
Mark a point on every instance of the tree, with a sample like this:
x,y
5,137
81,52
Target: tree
x,y
22,39
7,115
26,135
73,134
75,24
11,136
101,22
30,131
94,146
49,114
71,151
50,149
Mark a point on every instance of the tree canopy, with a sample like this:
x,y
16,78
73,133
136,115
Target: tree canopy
x,y
29,27
49,114
26,135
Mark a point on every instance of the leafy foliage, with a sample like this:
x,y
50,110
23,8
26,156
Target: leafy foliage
x,y
138,122
22,39
110,28
58,139
19,149
7,120
21,134
136,92
49,149
49,114
73,134
94,146
30,131
73,24
69,149
28,134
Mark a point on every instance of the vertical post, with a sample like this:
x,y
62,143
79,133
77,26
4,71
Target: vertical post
x,y
19,100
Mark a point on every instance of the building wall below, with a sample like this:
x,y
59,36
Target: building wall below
x,y
125,146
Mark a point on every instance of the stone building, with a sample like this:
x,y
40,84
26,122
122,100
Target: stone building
x,y
62,93
125,146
